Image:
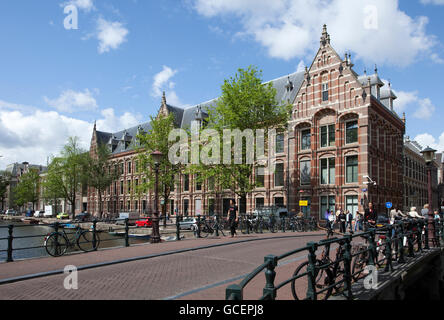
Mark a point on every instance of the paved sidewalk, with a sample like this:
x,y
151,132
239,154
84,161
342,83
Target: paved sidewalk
x,y
80,260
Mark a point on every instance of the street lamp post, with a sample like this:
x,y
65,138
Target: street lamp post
x,y
155,237
429,155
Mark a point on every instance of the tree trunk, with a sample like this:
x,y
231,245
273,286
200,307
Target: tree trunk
x,y
100,205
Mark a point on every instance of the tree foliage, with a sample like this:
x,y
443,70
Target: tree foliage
x,y
5,178
27,190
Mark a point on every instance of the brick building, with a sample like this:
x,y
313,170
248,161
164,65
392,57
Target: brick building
x,y
343,128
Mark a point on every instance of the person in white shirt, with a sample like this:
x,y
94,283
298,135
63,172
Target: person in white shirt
x,y
414,214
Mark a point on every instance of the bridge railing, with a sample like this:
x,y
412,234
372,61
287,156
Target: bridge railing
x,y
324,275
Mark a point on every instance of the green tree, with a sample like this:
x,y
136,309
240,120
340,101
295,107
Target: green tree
x,y
5,178
52,183
99,174
27,189
157,139
245,103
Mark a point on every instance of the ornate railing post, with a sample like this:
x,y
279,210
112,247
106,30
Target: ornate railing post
x,y
410,239
270,275
177,227
347,267
127,232
426,236
217,226
234,292
371,247
94,242
198,227
401,242
388,249
10,239
311,269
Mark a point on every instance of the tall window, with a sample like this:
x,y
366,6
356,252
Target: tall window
x,y
328,171
305,172
185,206
186,182
211,183
259,202
328,136
327,202
121,187
129,186
325,92
280,143
351,132
351,164
198,183
279,175
129,167
122,168
260,177
305,139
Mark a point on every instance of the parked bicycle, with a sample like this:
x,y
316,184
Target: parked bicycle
x,y
327,273
209,227
57,243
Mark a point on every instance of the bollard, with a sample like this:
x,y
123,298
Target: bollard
x,y
311,269
10,239
261,226
283,224
94,242
248,224
347,267
270,290
126,233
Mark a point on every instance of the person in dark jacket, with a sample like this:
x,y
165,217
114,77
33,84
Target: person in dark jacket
x,y
370,216
341,219
232,217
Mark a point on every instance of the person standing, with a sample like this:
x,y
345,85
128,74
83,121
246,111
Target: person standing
x,y
331,222
425,211
232,217
342,218
358,221
370,216
349,220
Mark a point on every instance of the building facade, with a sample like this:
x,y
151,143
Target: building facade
x,y
343,133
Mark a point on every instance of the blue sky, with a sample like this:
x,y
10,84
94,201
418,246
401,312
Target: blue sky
x,y
54,82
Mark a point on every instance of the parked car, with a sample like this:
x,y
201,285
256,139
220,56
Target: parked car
x,y
144,222
11,212
188,224
39,214
62,216
84,216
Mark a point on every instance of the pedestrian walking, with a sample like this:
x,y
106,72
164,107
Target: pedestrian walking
x,y
331,222
358,221
348,221
232,217
425,211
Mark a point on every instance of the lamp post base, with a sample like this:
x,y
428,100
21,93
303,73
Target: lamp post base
x,y
155,236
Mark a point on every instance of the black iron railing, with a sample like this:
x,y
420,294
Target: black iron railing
x,y
322,276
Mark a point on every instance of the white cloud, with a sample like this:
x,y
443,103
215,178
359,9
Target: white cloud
x,y
427,140
425,109
71,101
162,83
409,101
301,66
291,28
33,136
110,35
85,5
436,58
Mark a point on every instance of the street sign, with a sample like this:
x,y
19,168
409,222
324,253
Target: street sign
x,y
388,205
303,203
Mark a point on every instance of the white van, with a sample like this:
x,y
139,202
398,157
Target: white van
x,y
48,212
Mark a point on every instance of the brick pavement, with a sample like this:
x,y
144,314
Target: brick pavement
x,y
156,278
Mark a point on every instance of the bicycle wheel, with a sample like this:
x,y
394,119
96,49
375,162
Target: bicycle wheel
x,y
85,241
359,263
56,244
323,279
205,231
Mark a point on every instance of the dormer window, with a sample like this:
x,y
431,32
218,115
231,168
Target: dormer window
x,y
325,92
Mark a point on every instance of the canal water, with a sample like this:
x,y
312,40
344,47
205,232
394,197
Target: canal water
x,y
35,237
